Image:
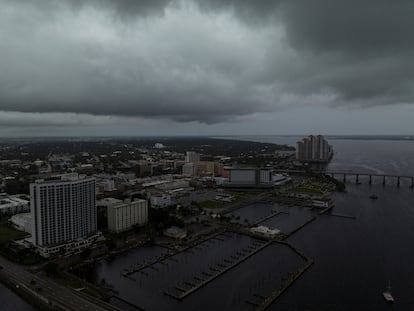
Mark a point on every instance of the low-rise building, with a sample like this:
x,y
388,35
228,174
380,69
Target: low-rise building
x,y
250,178
160,200
175,232
123,216
265,231
72,247
11,204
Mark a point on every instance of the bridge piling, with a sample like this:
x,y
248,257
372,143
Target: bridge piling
x,y
371,176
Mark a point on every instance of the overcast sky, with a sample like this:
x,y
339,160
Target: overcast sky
x,y
206,67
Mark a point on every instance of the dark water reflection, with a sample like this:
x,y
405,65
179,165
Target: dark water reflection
x,y
258,275
9,301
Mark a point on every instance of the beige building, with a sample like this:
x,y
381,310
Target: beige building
x,y
124,215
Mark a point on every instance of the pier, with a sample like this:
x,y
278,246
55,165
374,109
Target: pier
x,y
186,288
268,301
263,219
355,175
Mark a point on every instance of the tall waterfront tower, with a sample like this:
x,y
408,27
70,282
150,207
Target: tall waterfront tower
x,y
62,210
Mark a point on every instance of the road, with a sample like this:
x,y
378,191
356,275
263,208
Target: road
x,y
51,292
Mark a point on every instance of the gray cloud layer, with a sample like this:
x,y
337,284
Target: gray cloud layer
x,y
203,60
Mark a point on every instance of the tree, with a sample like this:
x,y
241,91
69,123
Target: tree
x,y
86,253
51,269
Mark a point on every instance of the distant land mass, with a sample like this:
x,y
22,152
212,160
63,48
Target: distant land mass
x,y
371,137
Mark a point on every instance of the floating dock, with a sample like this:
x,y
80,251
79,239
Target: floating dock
x,y
186,288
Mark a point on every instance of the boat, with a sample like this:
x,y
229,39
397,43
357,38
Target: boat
x,y
387,294
373,196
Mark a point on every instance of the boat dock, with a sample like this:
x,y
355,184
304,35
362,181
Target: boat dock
x,y
186,288
342,216
300,227
274,214
267,301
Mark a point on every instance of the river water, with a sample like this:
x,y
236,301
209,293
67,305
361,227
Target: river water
x,y
11,302
354,258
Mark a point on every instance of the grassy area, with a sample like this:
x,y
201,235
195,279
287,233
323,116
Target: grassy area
x,y
16,253
8,234
211,204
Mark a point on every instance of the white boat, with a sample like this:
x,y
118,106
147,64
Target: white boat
x,y
387,294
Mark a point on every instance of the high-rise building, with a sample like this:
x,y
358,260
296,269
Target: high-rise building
x,y
313,148
63,214
192,157
124,215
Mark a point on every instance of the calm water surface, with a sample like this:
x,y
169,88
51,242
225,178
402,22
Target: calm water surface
x,y
9,301
354,258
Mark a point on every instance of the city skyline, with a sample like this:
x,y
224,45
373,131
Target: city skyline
x,y
179,67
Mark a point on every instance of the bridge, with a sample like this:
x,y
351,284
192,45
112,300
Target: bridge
x,y
384,177
355,175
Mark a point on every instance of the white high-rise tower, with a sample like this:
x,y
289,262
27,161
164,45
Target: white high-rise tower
x,y
62,211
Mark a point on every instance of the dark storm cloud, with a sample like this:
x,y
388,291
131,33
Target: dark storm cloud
x,y
361,50
203,60
351,26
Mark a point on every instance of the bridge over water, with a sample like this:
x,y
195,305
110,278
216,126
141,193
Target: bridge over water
x,y
384,177
355,176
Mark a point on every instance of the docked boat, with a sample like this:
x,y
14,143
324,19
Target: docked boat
x,y
373,196
387,294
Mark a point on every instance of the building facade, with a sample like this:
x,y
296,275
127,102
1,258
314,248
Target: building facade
x,y
62,211
160,200
12,204
123,216
313,149
192,157
250,178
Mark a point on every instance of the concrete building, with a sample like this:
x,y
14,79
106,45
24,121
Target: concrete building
x,y
123,216
63,214
249,178
190,169
265,231
208,168
175,233
22,222
160,200
12,204
192,157
106,185
313,149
